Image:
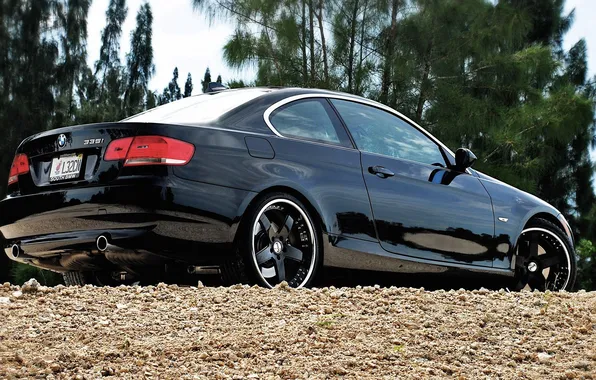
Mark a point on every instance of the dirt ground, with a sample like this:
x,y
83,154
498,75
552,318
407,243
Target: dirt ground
x,y
249,332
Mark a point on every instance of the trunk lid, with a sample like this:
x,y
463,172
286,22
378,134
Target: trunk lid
x,y
71,157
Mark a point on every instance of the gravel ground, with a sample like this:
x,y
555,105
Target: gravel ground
x,y
249,332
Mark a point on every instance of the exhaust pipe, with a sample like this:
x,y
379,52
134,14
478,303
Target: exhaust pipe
x,y
102,243
104,246
15,251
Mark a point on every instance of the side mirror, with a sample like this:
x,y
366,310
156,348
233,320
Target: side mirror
x,y
464,158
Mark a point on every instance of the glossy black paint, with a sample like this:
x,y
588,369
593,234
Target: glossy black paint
x,y
405,217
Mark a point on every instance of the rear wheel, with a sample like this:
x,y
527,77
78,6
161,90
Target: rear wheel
x,y
281,243
545,258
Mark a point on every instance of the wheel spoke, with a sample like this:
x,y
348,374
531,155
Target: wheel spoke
x,y
548,260
293,253
533,247
288,223
537,281
265,223
280,268
264,255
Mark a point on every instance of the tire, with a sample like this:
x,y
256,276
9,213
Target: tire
x,y
544,253
280,242
74,278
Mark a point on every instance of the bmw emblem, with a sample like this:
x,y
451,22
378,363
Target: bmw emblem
x,y
62,140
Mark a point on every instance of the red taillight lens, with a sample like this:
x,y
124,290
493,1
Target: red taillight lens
x,y
150,150
20,165
117,149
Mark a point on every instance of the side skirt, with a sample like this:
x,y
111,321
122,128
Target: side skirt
x,y
349,253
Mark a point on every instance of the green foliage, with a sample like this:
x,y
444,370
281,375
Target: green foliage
x,y
235,83
206,80
188,86
22,272
586,265
172,92
139,63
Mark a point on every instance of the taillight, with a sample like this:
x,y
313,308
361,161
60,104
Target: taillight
x,y
150,150
117,149
20,165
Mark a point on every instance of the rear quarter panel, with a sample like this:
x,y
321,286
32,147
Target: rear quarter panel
x,y
329,177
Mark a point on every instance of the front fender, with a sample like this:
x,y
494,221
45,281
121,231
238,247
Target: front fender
x,y
513,209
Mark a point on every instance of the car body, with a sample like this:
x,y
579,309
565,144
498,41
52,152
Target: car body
x,y
375,203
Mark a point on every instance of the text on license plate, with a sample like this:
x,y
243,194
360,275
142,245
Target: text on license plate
x,y
66,167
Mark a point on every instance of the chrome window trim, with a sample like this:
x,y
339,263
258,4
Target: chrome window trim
x,y
364,101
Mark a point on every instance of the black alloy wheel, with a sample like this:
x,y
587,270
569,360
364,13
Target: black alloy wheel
x,y
545,258
284,243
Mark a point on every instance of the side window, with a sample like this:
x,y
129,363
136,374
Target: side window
x,y
380,132
309,119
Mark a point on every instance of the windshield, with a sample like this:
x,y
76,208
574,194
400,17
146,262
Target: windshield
x,y
199,108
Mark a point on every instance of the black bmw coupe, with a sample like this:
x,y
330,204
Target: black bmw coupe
x,y
265,185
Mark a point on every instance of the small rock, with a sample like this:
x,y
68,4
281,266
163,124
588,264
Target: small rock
x,y
31,286
17,294
55,367
200,284
4,300
543,357
582,365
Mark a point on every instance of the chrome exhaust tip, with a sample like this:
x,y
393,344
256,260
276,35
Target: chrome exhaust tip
x,y
102,243
15,251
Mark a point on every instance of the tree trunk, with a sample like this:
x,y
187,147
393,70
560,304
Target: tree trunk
x,y
389,49
352,45
358,89
313,76
423,80
303,47
323,45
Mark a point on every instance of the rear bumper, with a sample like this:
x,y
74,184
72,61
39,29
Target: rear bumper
x,y
185,219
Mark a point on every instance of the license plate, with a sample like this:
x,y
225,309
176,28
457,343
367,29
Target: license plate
x,y
66,167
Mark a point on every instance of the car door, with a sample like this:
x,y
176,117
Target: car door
x,y
420,206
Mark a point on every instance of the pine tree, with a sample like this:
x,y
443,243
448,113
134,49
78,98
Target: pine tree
x,y
139,63
109,54
188,86
172,92
206,80
219,79
72,18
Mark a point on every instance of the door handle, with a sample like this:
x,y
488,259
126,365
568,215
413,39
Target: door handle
x,y
380,171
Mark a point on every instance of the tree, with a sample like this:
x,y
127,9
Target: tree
x,y
235,83
71,15
172,92
188,86
139,62
218,80
206,80
109,54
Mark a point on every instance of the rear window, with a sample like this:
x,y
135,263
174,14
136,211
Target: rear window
x,y
199,108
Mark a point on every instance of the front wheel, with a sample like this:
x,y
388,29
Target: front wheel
x,y
281,243
545,258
